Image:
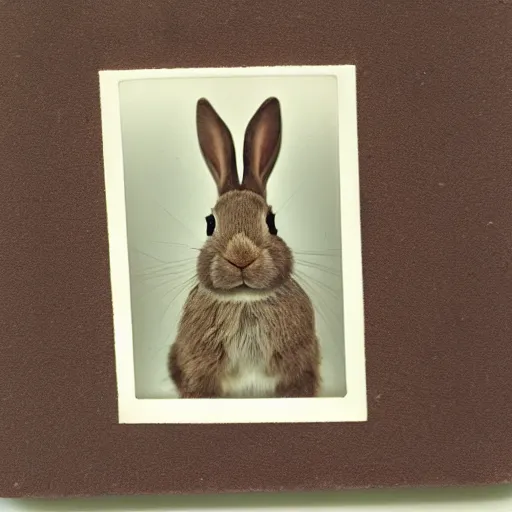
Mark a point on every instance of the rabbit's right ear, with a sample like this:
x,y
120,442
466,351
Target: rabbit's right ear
x,y
217,147
261,146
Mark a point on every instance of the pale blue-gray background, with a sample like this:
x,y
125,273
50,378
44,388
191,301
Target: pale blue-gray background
x,y
169,191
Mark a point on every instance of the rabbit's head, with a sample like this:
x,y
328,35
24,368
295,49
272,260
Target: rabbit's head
x,y
242,251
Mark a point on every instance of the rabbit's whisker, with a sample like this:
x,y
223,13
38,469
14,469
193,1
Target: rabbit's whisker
x,y
187,228
184,287
320,298
166,283
175,244
325,302
320,253
294,193
319,305
188,283
163,274
317,266
169,265
335,292
147,255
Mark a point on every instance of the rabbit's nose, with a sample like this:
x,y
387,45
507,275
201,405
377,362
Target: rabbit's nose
x,y
241,251
241,264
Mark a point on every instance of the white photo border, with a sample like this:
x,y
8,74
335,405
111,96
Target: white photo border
x,y
131,410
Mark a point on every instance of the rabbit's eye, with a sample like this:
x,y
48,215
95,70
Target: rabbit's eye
x,y
271,223
210,225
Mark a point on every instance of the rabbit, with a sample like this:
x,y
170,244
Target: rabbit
x,y
247,329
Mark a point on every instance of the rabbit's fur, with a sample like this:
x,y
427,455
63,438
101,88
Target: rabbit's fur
x,y
247,329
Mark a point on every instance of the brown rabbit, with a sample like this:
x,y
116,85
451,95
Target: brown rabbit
x,y
247,329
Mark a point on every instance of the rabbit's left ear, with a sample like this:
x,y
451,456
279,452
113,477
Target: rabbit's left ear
x,y
261,146
217,147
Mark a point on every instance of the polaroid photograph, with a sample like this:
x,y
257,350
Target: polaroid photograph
x,y
235,244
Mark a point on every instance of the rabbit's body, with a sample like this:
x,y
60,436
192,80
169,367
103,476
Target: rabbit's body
x,y
246,345
247,328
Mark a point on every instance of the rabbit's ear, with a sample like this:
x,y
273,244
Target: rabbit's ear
x,y
261,146
217,147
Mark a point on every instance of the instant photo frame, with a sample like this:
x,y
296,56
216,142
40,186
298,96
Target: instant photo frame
x,y
433,123
318,156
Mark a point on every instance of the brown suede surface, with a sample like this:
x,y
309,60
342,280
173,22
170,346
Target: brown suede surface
x,y
435,130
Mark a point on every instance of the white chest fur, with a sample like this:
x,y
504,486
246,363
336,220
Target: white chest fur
x,y
248,355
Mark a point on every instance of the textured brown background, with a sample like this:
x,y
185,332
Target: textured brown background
x,y
435,82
